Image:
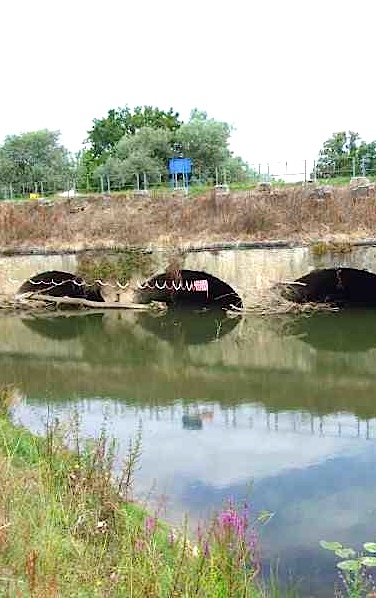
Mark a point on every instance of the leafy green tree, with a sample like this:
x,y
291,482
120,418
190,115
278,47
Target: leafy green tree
x,y
146,148
335,157
86,166
238,171
366,158
34,156
107,132
146,151
157,143
205,141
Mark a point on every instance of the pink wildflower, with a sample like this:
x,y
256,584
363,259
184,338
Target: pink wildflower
x,y
150,525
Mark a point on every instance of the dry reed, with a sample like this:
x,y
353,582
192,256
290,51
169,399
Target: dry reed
x,y
285,213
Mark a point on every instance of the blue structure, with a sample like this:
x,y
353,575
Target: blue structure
x,y
180,169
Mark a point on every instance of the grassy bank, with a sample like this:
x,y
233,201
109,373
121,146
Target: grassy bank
x,y
68,528
284,213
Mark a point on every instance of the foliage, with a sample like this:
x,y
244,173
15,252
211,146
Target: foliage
x,y
146,151
354,567
205,141
118,267
34,156
121,145
342,153
107,132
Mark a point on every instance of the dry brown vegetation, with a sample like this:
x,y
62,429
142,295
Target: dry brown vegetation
x,y
286,213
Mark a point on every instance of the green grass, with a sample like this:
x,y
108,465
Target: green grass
x,y
68,527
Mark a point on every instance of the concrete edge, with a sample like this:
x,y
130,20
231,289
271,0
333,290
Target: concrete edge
x,y
226,246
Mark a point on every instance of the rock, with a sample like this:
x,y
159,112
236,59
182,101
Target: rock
x,y
361,187
264,186
321,193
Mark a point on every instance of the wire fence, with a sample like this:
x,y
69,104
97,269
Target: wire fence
x,y
288,171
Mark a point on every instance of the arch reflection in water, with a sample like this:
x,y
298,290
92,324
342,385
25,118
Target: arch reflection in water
x,y
346,331
64,327
187,327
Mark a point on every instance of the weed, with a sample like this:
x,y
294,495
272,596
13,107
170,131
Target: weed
x,y
324,247
285,212
354,568
69,527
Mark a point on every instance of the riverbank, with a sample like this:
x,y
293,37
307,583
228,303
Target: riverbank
x,y
298,214
67,528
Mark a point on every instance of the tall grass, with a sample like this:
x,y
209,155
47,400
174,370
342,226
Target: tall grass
x,y
286,212
68,527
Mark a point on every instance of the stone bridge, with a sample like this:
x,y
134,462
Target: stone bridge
x,y
251,269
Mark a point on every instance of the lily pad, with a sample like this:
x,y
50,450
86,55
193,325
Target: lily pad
x,y
350,565
330,545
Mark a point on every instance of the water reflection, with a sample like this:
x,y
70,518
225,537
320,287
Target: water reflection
x,y
182,326
282,410
345,331
65,326
316,474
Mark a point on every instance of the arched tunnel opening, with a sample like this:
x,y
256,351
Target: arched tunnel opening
x,y
188,288
340,286
61,284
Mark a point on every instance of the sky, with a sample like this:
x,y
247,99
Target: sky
x,y
285,74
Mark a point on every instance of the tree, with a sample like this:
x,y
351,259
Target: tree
x,y
157,143
366,158
335,158
238,171
152,137
33,157
107,132
205,141
144,152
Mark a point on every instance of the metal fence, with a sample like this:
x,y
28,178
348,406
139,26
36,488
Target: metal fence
x,y
288,171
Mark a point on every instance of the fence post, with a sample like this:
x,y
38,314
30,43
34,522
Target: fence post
x,y
363,166
268,173
145,182
10,191
314,172
138,181
353,166
305,171
102,185
108,184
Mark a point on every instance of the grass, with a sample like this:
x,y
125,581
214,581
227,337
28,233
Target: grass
x,y
288,212
68,527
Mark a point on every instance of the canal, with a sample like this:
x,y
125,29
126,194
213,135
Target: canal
x,y
279,411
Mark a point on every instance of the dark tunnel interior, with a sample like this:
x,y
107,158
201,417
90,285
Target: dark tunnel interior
x,y
61,284
344,287
189,288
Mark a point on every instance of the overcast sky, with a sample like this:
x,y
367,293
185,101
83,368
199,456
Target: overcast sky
x,y
286,74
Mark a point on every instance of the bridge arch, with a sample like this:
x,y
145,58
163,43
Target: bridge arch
x,y
60,284
343,286
188,288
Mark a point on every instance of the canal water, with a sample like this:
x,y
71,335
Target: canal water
x,y
280,411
